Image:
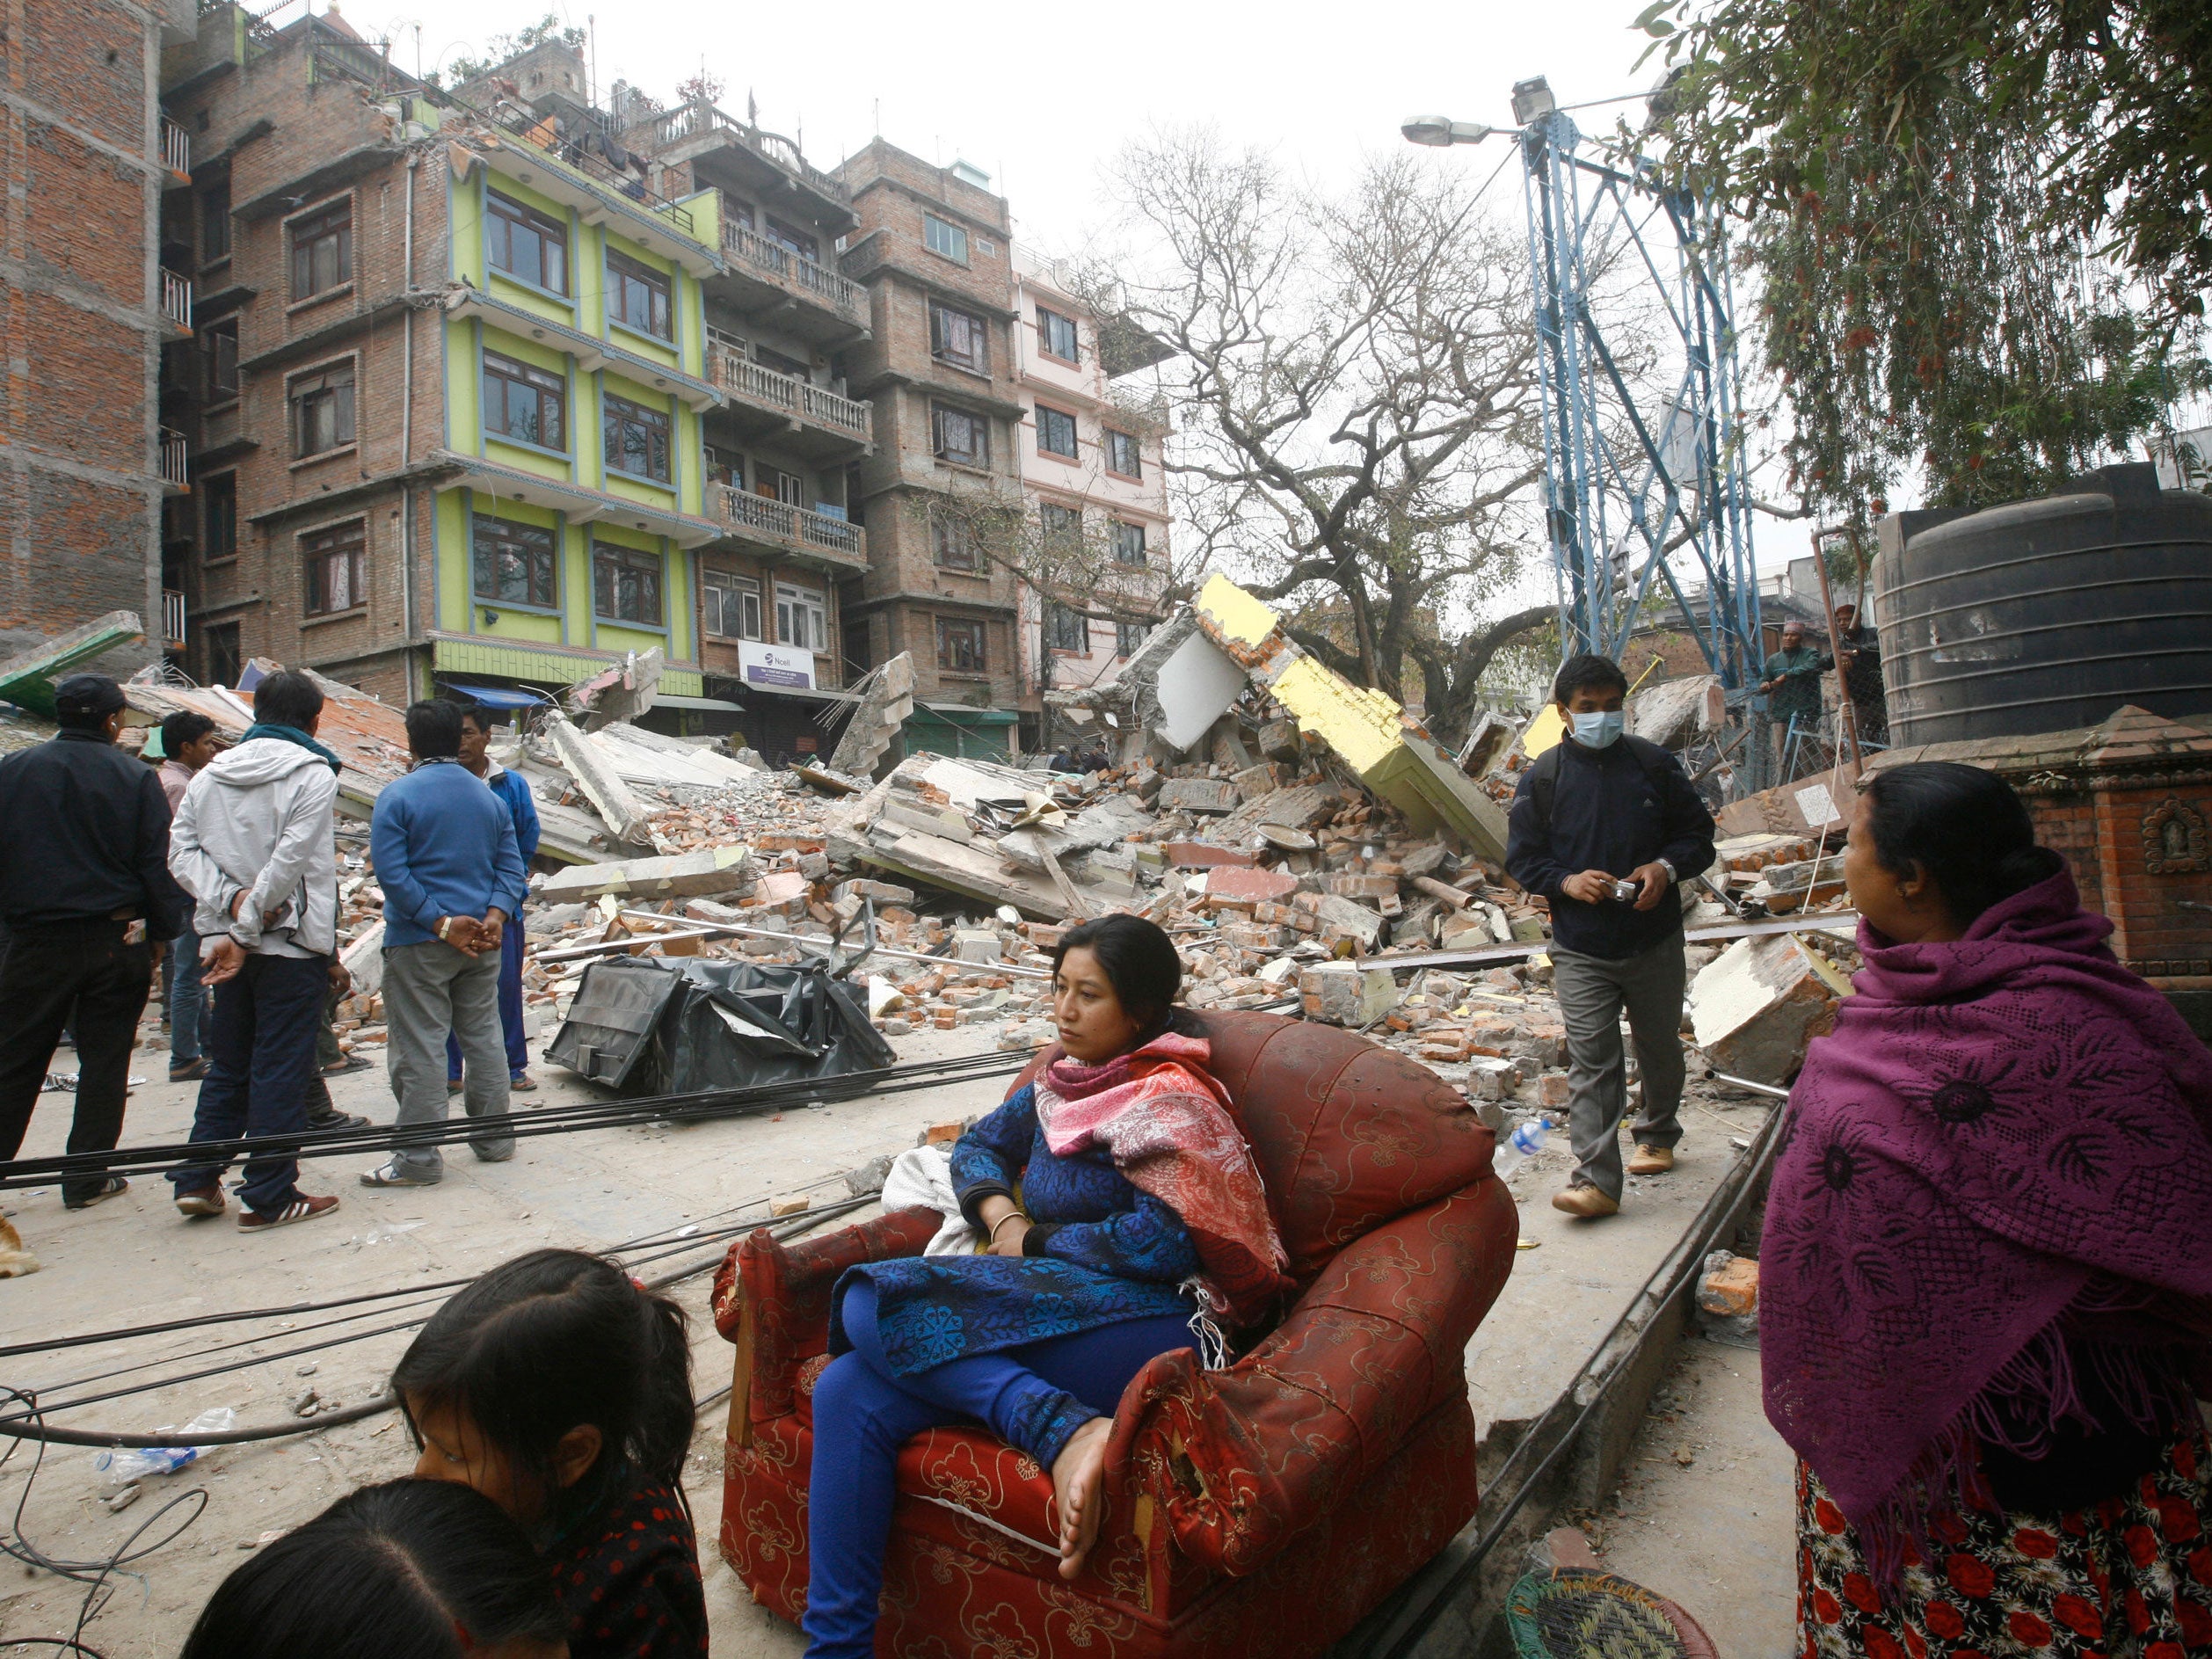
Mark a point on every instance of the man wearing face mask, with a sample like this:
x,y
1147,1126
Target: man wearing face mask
x,y
1598,808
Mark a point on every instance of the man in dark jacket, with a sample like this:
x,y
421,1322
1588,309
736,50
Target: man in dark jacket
x,y
1598,808
85,892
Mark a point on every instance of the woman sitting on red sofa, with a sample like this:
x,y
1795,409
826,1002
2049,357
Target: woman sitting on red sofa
x,y
1122,1213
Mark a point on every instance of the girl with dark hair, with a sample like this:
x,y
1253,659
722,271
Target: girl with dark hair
x,y
1986,1278
560,1388
1121,1212
412,1569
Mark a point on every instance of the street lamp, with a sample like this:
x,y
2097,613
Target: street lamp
x,y
1441,132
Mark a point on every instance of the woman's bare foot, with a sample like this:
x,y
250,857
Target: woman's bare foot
x,y
1078,1489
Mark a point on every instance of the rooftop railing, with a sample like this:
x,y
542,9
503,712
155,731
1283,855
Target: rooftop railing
x,y
690,120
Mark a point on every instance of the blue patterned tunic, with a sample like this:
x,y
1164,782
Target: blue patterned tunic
x,y
1100,1252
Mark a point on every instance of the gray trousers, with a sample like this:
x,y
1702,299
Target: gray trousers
x,y
1593,991
430,989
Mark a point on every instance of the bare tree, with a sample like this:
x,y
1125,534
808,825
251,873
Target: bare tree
x,y
1355,395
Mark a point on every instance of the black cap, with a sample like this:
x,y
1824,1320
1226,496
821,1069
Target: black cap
x,y
87,697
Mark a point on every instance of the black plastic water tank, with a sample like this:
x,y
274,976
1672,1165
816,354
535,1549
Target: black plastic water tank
x,y
2047,614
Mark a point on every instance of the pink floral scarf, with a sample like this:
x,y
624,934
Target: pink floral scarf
x,y
1166,1125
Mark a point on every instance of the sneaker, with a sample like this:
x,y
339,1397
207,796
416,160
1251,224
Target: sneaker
x,y
1585,1200
336,1119
200,1201
100,1194
390,1174
189,1071
1651,1160
521,1083
302,1208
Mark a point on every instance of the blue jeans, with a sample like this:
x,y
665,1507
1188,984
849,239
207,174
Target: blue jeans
x,y
863,1415
510,1009
191,1018
260,1065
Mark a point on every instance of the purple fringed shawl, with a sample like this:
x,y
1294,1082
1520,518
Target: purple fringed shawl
x,y
2006,1144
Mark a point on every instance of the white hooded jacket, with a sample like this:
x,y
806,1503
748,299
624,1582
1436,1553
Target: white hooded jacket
x,y
260,819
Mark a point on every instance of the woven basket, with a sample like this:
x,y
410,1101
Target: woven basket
x,y
1577,1613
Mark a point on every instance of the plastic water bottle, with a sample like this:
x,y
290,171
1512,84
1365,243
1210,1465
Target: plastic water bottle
x,y
1526,1139
120,1464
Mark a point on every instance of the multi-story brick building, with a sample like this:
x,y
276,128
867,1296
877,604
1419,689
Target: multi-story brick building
x,y
1093,478
86,306
932,247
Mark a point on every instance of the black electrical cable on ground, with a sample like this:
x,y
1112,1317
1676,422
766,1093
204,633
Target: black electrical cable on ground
x,y
96,1574
35,1428
546,1120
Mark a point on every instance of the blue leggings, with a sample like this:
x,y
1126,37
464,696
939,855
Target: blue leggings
x,y
864,1415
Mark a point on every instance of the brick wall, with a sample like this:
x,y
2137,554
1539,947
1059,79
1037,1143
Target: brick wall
x,y
297,167
905,593
79,497
2102,836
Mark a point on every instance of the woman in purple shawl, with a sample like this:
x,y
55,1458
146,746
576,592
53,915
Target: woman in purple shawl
x,y
1986,1280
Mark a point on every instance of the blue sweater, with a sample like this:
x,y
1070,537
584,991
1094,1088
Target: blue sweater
x,y
512,788
443,845
1101,1252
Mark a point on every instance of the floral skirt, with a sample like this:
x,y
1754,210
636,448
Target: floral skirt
x,y
2128,1578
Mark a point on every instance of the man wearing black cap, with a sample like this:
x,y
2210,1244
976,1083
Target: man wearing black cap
x,y
84,889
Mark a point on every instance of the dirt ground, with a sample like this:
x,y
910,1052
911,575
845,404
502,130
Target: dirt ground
x,y
1703,1513
133,1260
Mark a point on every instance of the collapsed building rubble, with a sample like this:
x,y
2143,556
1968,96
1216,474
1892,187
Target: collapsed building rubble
x,y
1305,841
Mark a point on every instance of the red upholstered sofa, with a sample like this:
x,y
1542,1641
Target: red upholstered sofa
x,y
1262,1509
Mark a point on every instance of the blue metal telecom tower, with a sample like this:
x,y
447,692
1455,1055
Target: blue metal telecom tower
x,y
1628,485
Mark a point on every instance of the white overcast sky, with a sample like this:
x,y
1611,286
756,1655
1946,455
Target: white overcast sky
x,y
1042,95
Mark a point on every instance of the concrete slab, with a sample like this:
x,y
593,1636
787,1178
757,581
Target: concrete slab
x,y
1566,1293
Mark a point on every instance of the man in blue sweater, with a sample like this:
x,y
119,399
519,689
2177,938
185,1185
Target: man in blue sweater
x,y
445,853
512,788
1598,809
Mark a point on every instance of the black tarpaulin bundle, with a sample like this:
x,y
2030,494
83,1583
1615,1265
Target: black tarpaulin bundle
x,y
643,1026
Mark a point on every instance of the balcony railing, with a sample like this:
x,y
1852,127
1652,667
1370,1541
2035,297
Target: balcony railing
x,y
176,298
840,293
692,120
785,524
800,399
172,620
176,147
176,458
575,150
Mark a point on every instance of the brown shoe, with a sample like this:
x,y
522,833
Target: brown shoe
x,y
1586,1202
301,1209
200,1201
1651,1160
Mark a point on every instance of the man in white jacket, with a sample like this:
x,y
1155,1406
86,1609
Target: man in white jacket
x,y
251,842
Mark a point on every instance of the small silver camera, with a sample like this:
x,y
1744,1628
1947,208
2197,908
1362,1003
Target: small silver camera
x,y
1627,891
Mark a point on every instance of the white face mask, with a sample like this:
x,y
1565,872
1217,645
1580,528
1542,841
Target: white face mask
x,y
1597,730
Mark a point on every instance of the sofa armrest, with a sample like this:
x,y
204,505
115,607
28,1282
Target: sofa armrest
x,y
774,1303
1239,1461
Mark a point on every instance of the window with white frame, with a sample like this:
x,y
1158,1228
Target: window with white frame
x,y
801,618
942,235
732,605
